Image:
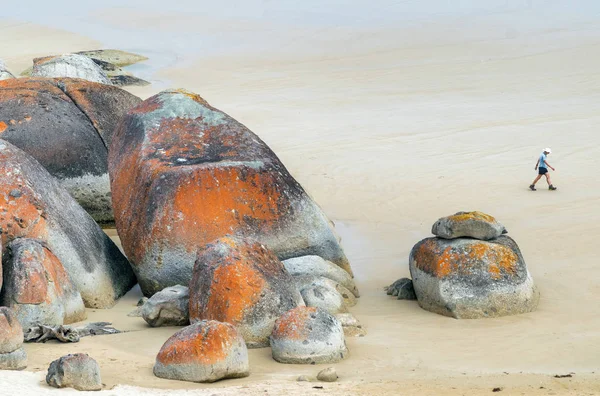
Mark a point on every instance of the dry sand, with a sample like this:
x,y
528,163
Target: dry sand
x,y
388,128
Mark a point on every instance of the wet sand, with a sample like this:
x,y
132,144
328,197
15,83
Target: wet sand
x,y
388,129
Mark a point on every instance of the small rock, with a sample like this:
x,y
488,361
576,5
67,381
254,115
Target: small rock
x,y
69,65
327,375
16,360
308,335
303,378
403,288
12,354
77,371
4,73
310,281
169,307
325,298
352,327
476,225
205,351
137,313
318,266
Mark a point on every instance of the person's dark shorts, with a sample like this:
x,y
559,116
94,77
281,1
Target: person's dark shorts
x,y
542,171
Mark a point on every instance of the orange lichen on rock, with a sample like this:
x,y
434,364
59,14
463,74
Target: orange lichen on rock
x,y
497,259
292,325
476,215
207,344
3,126
191,95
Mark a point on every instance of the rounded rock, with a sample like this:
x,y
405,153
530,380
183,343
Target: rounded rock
x,y
11,332
328,375
206,351
308,335
78,371
467,278
169,307
476,225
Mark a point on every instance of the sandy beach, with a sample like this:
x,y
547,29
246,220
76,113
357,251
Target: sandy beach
x,y
389,121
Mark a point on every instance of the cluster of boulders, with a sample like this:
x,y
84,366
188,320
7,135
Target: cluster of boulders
x,y
221,238
471,269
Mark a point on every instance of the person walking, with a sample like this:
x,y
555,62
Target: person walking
x,y
542,166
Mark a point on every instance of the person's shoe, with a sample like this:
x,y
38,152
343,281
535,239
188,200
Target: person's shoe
x,y
551,187
532,187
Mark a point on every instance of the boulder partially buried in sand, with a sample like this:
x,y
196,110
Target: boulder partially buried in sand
x,y
168,307
69,65
184,174
37,287
468,278
308,335
12,354
317,266
78,371
476,225
34,205
66,124
205,351
242,283
5,74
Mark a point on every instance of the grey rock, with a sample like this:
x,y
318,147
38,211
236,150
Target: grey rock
x,y
308,335
169,307
352,327
5,74
310,281
37,287
467,278
44,210
16,360
328,375
303,378
69,65
124,80
11,331
403,289
137,312
317,266
325,298
476,225
206,351
78,371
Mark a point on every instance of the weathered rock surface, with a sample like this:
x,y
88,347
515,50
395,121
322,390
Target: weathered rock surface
x,y
37,287
468,278
69,65
317,266
34,205
403,289
328,375
5,74
78,371
169,307
352,327
196,175
476,225
137,312
304,282
12,354
308,335
324,298
206,351
66,124
241,282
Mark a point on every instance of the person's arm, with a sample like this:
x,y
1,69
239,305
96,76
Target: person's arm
x,y
550,166
537,163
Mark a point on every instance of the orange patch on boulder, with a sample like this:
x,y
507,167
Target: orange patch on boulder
x,y
292,325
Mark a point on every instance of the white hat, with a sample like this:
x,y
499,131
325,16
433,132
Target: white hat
x,y
547,149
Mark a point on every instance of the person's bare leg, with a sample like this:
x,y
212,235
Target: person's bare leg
x,y
536,179
548,179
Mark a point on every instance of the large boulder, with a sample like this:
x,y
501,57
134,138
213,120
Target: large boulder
x,y
33,204
69,65
184,174
37,287
169,307
308,335
12,354
476,225
468,278
67,124
5,74
205,351
78,371
242,283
